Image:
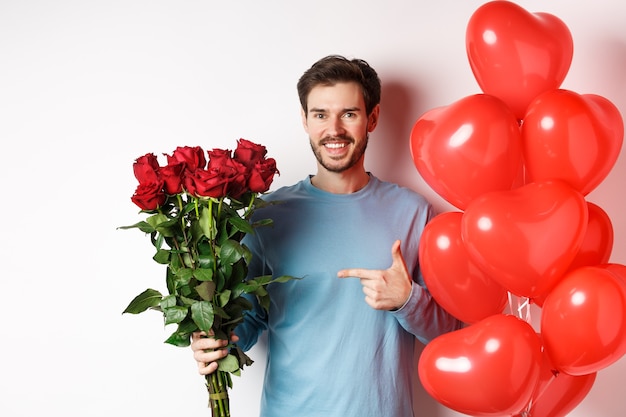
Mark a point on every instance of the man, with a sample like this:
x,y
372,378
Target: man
x,y
341,339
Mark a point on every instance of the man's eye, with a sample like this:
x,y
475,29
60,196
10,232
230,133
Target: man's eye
x,y
319,116
349,115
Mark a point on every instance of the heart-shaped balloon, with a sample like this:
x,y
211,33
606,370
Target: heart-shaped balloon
x,y
618,270
526,238
556,393
573,137
468,148
457,283
489,368
516,55
598,241
583,321
596,246
562,395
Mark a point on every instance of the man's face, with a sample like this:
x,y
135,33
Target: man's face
x,y
338,125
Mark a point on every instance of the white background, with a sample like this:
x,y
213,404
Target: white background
x,y
88,86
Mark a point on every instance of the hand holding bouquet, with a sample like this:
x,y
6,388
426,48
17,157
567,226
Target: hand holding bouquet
x,y
198,209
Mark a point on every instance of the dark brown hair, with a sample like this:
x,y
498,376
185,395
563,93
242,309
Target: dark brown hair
x,y
335,69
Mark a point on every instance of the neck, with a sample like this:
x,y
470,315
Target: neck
x,y
340,182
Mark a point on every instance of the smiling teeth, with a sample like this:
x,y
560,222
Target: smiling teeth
x,y
335,145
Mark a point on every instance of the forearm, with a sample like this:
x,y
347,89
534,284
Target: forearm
x,y
423,317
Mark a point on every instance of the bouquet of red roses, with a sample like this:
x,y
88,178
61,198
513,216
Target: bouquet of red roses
x,y
198,209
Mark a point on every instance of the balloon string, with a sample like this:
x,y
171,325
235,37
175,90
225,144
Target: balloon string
x,y
523,303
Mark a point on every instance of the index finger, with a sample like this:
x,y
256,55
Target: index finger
x,y
357,273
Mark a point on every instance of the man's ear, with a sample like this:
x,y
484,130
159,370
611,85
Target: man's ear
x,y
372,121
304,122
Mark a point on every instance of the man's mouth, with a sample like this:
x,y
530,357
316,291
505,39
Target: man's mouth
x,y
335,145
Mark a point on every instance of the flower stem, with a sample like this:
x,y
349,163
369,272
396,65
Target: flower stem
x,y
250,207
183,230
218,394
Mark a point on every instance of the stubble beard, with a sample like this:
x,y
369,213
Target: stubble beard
x,y
358,152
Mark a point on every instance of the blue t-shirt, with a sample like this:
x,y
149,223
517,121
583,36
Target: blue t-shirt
x,y
329,353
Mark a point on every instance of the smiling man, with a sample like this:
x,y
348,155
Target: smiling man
x,y
338,124
341,340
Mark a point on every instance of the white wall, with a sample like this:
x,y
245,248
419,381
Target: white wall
x,y
88,86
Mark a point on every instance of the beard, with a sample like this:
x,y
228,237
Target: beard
x,y
353,159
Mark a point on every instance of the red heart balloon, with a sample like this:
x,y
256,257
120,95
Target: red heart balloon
x,y
526,238
598,241
487,369
583,321
457,283
596,246
573,137
556,393
468,148
516,55
618,270
562,395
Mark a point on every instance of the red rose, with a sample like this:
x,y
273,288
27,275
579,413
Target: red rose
x,y
233,171
149,196
203,183
172,176
236,172
146,169
218,158
262,175
192,156
249,153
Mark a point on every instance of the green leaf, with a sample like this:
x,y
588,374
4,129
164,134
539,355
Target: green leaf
x,y
231,251
206,290
228,364
238,273
162,256
183,275
170,281
174,314
168,301
262,223
203,274
207,223
148,299
185,291
224,296
264,301
195,231
179,339
220,312
243,302
187,326
156,220
224,272
168,227
244,360
202,315
241,224
253,287
187,301
219,280
157,240
285,278
142,225
206,256
261,280
182,336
